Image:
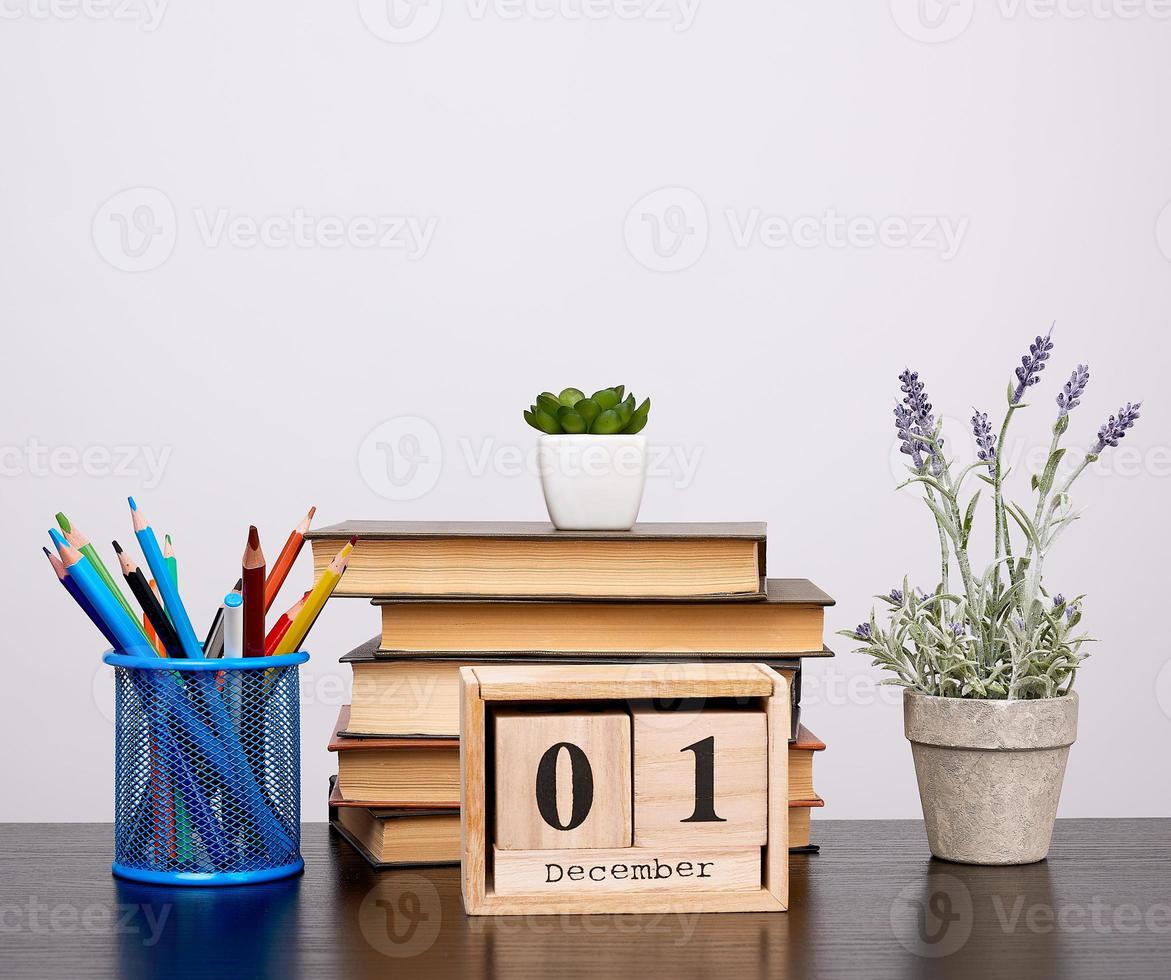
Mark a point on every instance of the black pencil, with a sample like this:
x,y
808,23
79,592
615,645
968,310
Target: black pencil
x,y
151,607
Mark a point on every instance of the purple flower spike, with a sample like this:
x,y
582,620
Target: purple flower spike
x,y
985,440
957,629
896,596
918,411
1032,364
1116,426
1070,395
905,424
863,631
1058,601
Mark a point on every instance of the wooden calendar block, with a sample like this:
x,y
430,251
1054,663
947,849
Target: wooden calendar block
x,y
562,779
700,778
625,870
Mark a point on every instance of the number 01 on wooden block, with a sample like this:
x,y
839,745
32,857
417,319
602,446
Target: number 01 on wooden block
x,y
578,795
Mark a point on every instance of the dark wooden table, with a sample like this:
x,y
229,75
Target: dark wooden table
x,y
871,905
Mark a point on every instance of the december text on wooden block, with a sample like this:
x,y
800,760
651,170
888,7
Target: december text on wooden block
x,y
625,869
700,777
562,779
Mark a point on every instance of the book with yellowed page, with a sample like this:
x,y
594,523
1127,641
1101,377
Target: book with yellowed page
x,y
388,837
788,621
534,560
411,773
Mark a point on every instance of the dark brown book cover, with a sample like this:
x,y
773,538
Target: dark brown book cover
x,y
335,824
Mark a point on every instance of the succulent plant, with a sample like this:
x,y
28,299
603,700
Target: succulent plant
x,y
608,411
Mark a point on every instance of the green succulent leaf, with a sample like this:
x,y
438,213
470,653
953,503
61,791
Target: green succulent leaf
x,y
531,419
571,421
570,397
547,422
606,398
607,423
620,390
588,409
548,403
638,417
625,410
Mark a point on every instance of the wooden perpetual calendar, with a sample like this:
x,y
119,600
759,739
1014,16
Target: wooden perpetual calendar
x,y
624,788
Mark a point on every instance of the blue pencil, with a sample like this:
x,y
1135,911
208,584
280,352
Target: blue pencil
x,y
71,587
162,575
127,636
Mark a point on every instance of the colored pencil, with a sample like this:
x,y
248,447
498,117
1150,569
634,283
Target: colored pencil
x,y
281,627
213,646
71,587
128,635
171,598
151,607
82,544
170,560
253,593
149,626
321,591
284,561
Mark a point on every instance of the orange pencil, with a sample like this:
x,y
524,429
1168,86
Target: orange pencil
x,y
284,561
281,627
148,626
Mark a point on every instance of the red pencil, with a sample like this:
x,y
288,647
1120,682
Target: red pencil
x,y
253,592
284,561
281,627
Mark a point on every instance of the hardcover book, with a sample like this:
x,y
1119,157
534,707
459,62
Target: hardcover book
x,y
533,560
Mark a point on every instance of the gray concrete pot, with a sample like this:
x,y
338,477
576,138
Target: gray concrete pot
x,y
990,773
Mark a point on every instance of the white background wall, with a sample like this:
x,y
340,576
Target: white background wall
x,y
520,142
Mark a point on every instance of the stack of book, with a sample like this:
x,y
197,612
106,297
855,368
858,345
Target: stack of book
x,y
459,594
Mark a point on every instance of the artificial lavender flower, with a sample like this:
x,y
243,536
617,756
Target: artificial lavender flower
x,y
905,424
919,412
863,631
1071,393
1032,364
921,594
896,596
985,440
1072,611
1115,427
1019,622
957,629
1058,601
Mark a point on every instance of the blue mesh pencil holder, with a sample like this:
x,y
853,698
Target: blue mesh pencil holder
x,y
208,769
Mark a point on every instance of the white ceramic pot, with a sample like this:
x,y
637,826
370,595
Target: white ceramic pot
x,y
592,482
990,773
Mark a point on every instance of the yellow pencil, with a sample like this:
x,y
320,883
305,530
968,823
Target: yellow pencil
x,y
322,590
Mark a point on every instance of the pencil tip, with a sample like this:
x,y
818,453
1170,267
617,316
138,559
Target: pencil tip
x,y
48,553
117,547
167,538
253,536
312,511
63,522
133,505
58,540
353,539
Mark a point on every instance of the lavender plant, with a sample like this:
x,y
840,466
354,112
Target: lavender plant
x,y
997,634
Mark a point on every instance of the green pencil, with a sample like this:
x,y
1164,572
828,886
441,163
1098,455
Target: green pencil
x,y
82,544
170,560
